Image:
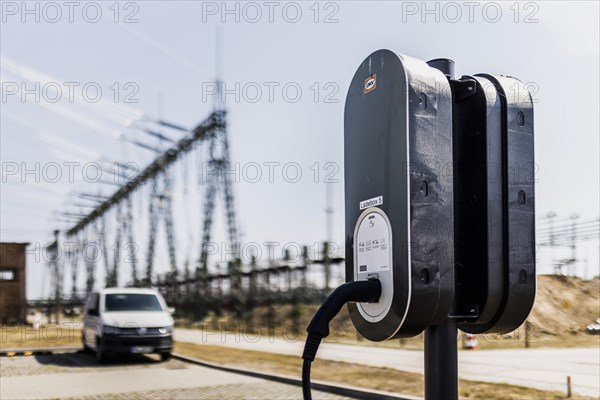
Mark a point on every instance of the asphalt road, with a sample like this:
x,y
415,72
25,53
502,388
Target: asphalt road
x,y
538,368
77,375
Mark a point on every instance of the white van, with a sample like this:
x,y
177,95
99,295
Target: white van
x,y
127,321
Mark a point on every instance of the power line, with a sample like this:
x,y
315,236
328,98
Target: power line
x,y
207,128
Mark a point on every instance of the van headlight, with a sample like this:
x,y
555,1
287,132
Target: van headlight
x,y
166,329
111,330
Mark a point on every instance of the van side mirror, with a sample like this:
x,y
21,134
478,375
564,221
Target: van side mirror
x,y
171,310
93,312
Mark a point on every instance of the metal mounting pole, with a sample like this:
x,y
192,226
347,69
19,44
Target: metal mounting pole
x,y
441,361
441,352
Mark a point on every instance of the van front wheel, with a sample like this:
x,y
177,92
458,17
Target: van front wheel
x,y
86,348
165,356
100,352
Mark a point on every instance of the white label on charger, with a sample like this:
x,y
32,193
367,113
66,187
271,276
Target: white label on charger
x,y
373,255
375,201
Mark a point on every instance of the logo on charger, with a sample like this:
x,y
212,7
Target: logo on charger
x,y
370,83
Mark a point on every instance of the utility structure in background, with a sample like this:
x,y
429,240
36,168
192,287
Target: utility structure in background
x,y
161,207
566,233
13,303
212,130
239,288
216,179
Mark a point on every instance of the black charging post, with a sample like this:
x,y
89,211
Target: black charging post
x,y
441,361
441,352
440,211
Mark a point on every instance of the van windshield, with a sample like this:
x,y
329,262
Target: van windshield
x,y
131,302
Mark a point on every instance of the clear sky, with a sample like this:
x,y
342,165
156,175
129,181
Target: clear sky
x,y
289,64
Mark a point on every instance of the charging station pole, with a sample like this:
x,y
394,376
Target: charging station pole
x,y
441,361
470,263
441,353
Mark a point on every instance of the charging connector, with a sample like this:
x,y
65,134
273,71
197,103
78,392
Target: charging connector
x,y
364,291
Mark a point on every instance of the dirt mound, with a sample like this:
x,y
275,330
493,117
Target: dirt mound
x,y
565,305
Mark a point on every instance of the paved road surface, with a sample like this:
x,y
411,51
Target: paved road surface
x,y
538,368
77,375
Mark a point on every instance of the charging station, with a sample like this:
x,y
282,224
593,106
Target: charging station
x,y
398,177
494,203
440,217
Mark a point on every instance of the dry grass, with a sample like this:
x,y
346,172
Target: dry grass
x,y
51,335
555,321
385,379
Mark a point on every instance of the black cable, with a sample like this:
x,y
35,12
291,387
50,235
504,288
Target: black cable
x,y
367,291
306,380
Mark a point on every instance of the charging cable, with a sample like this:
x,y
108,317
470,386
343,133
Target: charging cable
x,y
367,291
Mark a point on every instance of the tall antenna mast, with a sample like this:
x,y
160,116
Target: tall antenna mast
x,y
328,234
328,212
217,101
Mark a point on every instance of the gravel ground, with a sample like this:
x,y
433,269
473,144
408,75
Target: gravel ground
x,y
266,390
78,376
